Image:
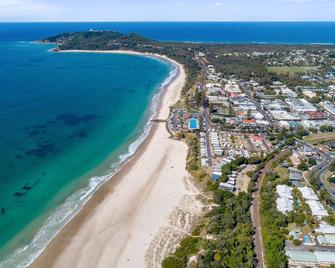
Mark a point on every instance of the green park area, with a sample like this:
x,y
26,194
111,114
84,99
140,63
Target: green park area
x,y
292,70
320,137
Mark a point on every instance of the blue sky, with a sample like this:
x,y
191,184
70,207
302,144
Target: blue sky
x,y
167,10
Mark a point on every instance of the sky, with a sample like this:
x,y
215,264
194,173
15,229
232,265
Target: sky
x,y
167,10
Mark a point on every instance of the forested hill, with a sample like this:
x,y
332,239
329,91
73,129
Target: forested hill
x,y
98,40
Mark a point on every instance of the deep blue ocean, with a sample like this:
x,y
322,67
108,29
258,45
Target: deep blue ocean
x,y
226,32
67,120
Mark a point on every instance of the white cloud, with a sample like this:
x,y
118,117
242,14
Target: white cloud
x,y
27,10
217,4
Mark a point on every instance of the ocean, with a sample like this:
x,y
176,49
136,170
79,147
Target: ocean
x,y
221,32
68,120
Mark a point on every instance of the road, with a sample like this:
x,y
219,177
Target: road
x,y
322,167
259,107
255,211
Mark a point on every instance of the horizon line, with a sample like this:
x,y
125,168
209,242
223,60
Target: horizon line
x,y
191,21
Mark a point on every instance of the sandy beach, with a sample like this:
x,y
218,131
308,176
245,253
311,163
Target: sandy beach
x,y
138,217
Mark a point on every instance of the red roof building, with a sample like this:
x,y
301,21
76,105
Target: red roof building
x,y
316,115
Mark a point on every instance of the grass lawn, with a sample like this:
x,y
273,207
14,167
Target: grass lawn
x,y
291,69
320,137
282,172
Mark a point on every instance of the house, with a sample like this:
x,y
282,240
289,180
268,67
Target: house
x,y
295,176
227,186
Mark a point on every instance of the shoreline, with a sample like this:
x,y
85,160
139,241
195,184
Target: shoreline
x,y
57,249
127,52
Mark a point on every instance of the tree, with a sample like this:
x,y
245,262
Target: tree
x,y
315,99
302,166
326,128
311,161
332,166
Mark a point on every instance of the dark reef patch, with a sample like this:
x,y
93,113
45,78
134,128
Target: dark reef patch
x,y
36,130
41,150
78,134
19,194
27,187
2,211
75,120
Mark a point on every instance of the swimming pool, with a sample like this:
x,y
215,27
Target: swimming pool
x,y
193,124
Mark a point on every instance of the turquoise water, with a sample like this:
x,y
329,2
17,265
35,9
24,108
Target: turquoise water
x,y
67,120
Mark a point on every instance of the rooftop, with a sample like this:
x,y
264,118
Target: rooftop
x,y
308,193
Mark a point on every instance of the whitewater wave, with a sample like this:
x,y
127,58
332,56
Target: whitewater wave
x,y
26,254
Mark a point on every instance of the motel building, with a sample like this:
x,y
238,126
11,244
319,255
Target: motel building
x,y
310,259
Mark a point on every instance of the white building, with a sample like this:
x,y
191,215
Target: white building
x,y
301,105
310,94
308,193
282,115
325,228
232,87
317,209
284,205
329,107
284,191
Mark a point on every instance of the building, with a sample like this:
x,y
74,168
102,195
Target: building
x,y
308,193
214,139
329,107
316,115
284,191
317,209
325,228
326,240
227,186
216,173
310,259
300,105
295,177
282,115
310,94
301,258
204,150
232,87
284,205
325,258
295,159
